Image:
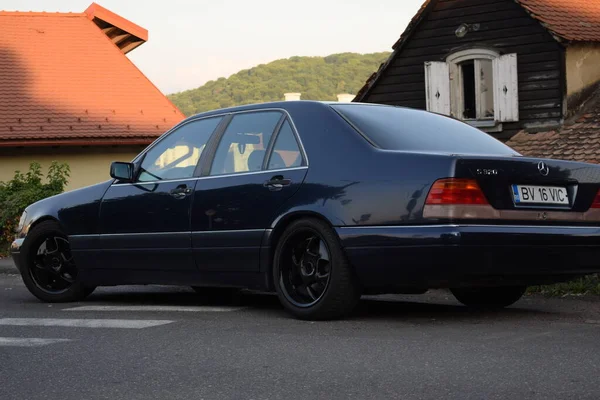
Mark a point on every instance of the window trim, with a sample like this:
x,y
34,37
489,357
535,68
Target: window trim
x,y
206,158
457,101
271,148
361,133
213,151
162,137
471,54
205,168
137,161
271,144
200,178
371,139
486,125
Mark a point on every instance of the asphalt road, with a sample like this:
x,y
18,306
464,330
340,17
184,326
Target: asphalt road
x,y
169,343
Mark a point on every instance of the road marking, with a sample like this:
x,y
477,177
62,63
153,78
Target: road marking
x,y
155,308
84,323
29,342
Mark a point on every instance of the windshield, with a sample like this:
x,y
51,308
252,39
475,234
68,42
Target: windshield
x,y
397,128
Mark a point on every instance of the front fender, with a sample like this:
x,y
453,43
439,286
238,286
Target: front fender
x,y
76,211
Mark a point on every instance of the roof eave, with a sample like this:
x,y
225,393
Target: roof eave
x,y
123,33
397,47
77,142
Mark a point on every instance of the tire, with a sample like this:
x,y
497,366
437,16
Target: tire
x,y
32,275
489,297
341,291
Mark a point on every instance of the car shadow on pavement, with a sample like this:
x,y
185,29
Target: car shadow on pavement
x,y
407,308
181,296
428,310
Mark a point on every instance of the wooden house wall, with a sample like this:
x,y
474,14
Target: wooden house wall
x,y
505,27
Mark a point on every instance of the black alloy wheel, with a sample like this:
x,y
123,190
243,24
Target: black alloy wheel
x,y
48,269
305,268
53,268
312,276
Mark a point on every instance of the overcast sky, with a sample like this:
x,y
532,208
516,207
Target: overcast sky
x,y
193,41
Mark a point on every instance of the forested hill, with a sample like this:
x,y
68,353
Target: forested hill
x,y
317,78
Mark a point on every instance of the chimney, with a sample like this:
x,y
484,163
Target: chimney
x,y
292,96
345,97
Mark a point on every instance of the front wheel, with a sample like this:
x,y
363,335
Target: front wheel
x,y
312,276
489,297
49,271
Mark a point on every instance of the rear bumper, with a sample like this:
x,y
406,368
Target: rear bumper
x,y
467,255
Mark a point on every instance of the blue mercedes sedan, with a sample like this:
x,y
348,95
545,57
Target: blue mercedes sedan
x,y
320,203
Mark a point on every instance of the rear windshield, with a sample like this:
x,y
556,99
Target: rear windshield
x,y
398,128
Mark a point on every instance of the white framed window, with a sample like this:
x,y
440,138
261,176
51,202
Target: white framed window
x,y
478,86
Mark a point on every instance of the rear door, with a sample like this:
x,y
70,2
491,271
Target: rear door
x,y
146,224
257,165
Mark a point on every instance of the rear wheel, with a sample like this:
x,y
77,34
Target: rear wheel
x,y
489,297
49,271
313,279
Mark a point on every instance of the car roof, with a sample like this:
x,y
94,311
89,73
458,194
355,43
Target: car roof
x,y
275,104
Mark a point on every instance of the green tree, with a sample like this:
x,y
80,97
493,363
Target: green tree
x,y
317,78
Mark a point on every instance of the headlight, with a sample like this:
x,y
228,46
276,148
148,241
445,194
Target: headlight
x,y
22,222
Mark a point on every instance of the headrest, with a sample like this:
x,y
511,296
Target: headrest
x,y
255,160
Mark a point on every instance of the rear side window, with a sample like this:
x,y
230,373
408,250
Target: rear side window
x,y
244,143
286,153
396,128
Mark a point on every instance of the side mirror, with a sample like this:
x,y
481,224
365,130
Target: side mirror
x,y
122,171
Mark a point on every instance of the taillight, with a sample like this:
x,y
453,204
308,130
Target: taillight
x,y
457,191
596,202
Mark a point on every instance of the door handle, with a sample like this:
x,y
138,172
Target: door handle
x,y
277,183
180,191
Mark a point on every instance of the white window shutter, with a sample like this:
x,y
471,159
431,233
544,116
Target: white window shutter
x,y
437,87
506,89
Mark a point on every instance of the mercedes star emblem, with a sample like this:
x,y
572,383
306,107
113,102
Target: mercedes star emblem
x,y
543,168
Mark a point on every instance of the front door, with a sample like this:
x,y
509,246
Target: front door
x,y
146,224
256,167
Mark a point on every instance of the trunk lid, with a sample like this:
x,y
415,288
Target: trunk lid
x,y
497,176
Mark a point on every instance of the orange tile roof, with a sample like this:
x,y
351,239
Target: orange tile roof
x,y
64,82
577,20
578,139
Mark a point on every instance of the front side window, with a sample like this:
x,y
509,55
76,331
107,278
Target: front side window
x,y
243,145
176,156
286,152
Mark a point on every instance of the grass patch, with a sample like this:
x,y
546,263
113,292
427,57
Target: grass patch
x,y
578,287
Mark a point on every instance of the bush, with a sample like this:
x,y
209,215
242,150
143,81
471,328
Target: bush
x,y
25,189
587,285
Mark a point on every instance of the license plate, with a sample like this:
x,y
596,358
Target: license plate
x,y
551,195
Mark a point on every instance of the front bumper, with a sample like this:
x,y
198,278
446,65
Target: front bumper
x,y
466,255
15,251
